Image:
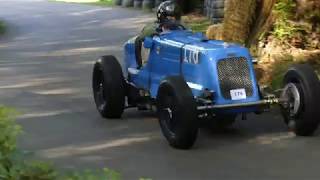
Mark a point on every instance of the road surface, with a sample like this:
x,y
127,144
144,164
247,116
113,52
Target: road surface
x,y
46,61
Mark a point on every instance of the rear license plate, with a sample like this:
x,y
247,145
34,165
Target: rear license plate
x,y
238,94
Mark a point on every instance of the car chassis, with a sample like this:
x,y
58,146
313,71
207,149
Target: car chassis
x,y
188,77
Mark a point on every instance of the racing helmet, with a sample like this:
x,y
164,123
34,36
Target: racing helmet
x,y
168,9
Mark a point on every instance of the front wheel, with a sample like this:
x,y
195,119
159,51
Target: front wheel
x,y
177,112
301,95
108,86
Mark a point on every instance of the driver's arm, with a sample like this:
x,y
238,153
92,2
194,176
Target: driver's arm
x,y
149,30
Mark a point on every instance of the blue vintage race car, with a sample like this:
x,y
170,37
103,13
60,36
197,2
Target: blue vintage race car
x,y
189,78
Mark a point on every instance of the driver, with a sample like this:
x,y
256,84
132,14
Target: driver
x,y
168,18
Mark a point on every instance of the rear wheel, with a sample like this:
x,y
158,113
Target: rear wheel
x,y
301,92
108,87
177,112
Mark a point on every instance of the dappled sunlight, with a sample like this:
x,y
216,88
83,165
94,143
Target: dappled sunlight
x,y
76,41
71,52
79,1
90,23
6,69
21,85
31,83
64,42
86,62
91,11
58,114
134,22
38,16
21,63
65,151
42,114
272,138
26,36
5,45
60,91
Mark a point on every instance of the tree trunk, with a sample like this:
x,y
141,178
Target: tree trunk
x,y
262,23
238,18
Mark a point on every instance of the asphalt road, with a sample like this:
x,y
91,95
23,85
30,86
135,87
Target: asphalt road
x,y
45,68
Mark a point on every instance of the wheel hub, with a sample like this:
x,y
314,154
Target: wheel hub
x,y
168,119
292,95
100,96
169,112
168,115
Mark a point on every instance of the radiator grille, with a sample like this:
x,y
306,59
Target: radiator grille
x,y
234,73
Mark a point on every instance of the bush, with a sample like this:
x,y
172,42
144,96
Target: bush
x,y
105,174
197,22
284,27
2,27
278,71
15,166
9,131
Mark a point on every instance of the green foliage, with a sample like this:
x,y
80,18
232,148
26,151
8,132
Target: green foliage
x,y
9,131
26,170
90,2
200,26
12,165
2,27
279,69
37,170
15,166
105,2
285,8
105,174
284,28
196,24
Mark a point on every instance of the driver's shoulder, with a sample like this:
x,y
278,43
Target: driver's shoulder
x,y
151,25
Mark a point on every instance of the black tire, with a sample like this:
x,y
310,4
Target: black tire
x,y
108,86
306,119
177,112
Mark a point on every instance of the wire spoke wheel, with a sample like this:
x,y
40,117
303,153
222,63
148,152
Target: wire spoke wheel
x,y
301,95
293,107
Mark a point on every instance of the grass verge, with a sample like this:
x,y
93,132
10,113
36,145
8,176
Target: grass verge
x,y
90,2
278,72
197,22
16,165
2,28
280,67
